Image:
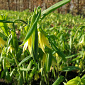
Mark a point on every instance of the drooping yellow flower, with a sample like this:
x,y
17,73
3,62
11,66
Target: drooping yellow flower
x,y
28,45
56,55
43,41
9,49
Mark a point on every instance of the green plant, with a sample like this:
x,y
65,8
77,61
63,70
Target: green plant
x,y
21,64
53,44
77,81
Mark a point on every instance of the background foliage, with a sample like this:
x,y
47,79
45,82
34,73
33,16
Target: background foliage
x,y
42,49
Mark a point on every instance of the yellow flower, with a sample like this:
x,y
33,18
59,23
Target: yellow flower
x,y
56,56
43,41
40,69
9,49
28,45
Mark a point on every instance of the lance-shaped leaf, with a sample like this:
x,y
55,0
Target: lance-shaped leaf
x,y
75,81
32,27
35,44
5,21
58,81
57,50
53,7
49,61
70,68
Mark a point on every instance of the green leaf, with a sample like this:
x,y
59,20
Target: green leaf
x,y
8,59
35,44
71,56
20,21
83,79
14,41
11,73
58,51
49,61
2,35
4,25
30,65
70,68
32,27
74,81
53,7
25,59
24,69
58,81
34,70
74,59
5,21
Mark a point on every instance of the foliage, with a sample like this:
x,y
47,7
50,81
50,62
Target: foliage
x,y
48,45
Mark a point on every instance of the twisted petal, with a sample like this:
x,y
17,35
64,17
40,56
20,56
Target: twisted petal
x,y
28,44
25,46
9,49
41,43
46,42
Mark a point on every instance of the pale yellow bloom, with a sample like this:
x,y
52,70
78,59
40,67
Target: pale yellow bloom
x,y
28,45
56,55
43,41
25,46
9,49
40,69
